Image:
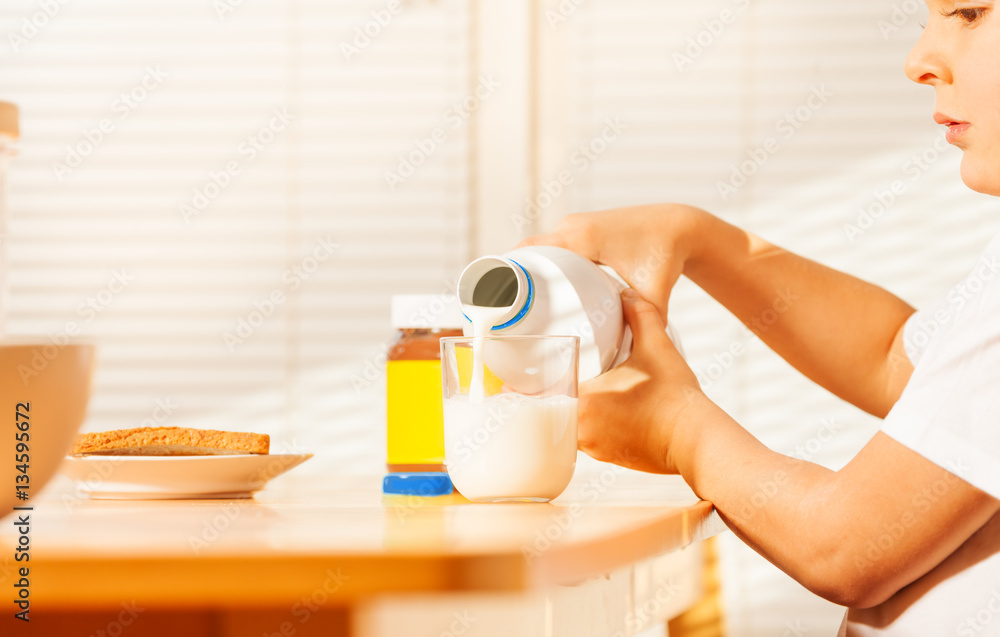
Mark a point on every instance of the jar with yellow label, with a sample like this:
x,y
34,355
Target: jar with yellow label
x,y
415,424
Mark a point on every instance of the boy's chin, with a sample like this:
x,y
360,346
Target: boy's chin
x,y
981,177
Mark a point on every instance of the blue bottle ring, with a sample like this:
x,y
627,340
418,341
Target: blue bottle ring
x,y
524,308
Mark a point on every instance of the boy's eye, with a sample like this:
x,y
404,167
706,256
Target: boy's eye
x,y
969,16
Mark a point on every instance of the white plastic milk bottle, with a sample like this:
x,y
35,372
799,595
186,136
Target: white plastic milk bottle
x,y
547,290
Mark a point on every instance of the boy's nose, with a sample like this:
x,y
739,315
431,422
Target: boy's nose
x,y
925,64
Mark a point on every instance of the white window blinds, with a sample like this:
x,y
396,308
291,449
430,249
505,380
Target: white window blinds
x,y
202,190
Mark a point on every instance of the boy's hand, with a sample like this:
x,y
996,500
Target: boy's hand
x,y
627,415
647,245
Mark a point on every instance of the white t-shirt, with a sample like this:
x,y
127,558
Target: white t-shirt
x,y
950,414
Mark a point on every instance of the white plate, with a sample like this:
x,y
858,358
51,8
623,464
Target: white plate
x,y
176,477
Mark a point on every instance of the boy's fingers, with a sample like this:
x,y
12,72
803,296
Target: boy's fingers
x,y
663,311
643,317
544,240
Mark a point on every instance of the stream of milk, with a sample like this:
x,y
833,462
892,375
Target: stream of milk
x,y
483,319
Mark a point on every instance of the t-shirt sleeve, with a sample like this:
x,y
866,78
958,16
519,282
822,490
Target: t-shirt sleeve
x,y
950,410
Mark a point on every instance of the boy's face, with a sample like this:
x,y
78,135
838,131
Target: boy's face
x,y
959,55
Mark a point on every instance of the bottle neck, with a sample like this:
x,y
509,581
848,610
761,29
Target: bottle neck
x,y
496,291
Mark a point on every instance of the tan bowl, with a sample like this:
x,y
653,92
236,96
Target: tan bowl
x,y
49,384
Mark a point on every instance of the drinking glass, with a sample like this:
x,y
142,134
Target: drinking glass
x,y
510,408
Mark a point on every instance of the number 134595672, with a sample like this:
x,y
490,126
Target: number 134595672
x,y
22,450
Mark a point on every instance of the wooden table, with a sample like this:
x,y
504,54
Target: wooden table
x,y
333,556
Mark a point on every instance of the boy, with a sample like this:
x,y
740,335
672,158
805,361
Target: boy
x,y
907,535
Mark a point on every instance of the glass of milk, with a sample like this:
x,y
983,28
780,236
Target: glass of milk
x,y
510,415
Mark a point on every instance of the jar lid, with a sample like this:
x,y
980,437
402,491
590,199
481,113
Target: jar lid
x,y
417,483
427,311
8,120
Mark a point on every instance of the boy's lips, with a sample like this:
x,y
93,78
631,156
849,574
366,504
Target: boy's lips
x,y
956,127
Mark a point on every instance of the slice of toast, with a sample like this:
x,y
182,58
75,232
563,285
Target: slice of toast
x,y
170,441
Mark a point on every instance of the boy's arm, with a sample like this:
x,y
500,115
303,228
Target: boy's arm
x,y
817,525
856,536
841,332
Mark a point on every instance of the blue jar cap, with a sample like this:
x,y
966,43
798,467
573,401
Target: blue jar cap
x,y
424,483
